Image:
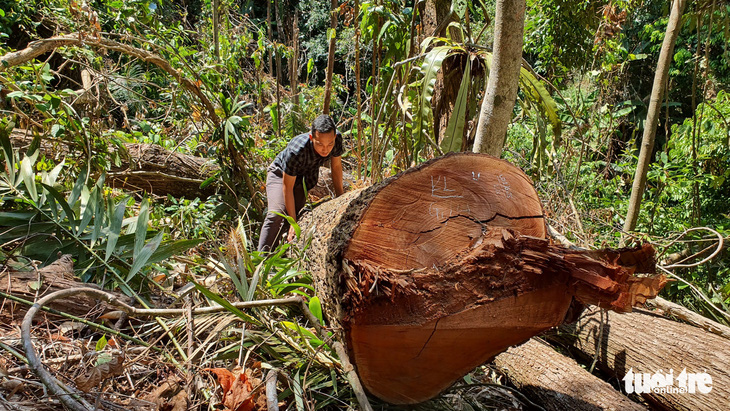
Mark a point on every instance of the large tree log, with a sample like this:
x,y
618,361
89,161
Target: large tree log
x,y
557,382
641,342
441,268
56,276
144,167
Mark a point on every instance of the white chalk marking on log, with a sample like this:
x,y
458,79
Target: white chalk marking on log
x,y
505,189
434,189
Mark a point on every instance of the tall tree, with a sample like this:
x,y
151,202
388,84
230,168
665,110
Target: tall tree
x,y
216,40
652,115
501,93
330,56
358,91
437,16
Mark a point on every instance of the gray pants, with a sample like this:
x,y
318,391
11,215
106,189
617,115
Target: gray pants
x,y
275,226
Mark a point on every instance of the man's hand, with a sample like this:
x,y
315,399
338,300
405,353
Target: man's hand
x,y
291,235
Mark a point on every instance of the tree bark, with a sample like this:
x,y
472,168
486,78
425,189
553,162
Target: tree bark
x,y
439,269
641,342
330,57
685,314
557,382
652,116
501,93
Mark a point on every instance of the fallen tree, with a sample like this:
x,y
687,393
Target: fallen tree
x,y
32,284
642,345
144,167
558,382
441,268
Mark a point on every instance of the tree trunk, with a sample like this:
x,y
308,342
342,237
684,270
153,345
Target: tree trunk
x,y
641,342
216,39
359,144
56,276
436,18
437,270
683,313
652,116
499,98
152,169
557,382
330,57
294,64
145,167
269,34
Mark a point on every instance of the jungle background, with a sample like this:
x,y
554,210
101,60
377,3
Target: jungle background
x,y
225,84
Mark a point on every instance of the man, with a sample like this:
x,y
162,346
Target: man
x,y
293,169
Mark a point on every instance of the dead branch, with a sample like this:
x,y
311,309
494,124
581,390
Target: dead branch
x,y
67,395
39,47
272,402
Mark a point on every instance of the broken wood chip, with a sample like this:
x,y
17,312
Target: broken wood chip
x,y
94,376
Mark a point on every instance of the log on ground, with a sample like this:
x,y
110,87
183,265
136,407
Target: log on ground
x,y
441,268
643,344
56,276
144,167
557,382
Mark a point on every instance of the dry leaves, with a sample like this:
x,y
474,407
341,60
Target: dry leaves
x,y
238,389
170,396
99,373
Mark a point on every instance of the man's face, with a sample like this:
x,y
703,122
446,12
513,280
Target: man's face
x,y
323,142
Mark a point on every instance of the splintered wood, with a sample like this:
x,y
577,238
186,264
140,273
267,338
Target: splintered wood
x,y
441,268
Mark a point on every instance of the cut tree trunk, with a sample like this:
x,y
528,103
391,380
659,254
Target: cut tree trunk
x,y
152,169
641,342
145,167
439,269
56,276
557,382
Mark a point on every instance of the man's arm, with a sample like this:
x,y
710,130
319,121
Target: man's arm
x,y
336,167
288,187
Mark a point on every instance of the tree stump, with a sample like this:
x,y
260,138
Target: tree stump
x,y
441,268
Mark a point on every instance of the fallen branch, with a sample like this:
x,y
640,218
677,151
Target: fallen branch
x,y
272,401
69,397
42,46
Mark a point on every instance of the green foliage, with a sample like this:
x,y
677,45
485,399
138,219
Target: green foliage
x,y
42,221
559,34
452,141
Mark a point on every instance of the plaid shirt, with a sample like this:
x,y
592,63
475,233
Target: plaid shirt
x,y
300,160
